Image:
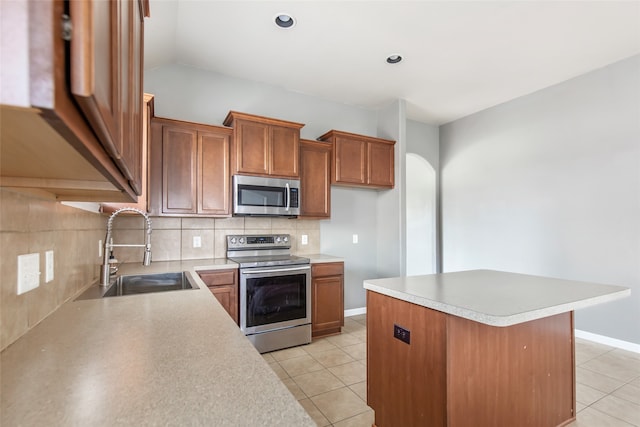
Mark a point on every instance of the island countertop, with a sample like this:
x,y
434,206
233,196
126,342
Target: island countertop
x,y
496,298
168,358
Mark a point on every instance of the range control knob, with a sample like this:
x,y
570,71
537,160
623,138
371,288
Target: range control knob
x,y
241,240
285,239
233,240
278,239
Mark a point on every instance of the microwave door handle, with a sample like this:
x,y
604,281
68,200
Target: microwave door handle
x,y
288,197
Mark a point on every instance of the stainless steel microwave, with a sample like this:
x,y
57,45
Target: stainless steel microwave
x,y
258,195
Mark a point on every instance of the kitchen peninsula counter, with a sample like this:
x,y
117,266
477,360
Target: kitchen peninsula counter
x,y
482,347
167,358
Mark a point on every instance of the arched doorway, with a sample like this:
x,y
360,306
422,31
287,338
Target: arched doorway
x,y
420,216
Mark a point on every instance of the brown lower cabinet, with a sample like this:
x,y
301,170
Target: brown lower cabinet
x,y
223,284
327,298
455,372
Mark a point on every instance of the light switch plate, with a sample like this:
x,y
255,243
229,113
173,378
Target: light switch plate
x,y
28,272
48,275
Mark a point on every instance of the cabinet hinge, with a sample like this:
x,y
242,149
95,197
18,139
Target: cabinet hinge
x,y
67,27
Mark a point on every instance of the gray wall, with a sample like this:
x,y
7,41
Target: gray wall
x,y
424,139
549,184
391,224
191,94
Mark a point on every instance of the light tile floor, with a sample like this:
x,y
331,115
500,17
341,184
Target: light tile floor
x,y
328,377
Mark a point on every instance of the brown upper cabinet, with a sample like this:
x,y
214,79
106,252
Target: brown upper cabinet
x,y
264,146
72,124
360,161
315,179
189,169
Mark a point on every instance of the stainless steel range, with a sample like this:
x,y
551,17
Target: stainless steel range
x,y
275,291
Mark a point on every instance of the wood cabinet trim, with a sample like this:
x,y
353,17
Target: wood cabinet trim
x,y
338,133
232,116
191,125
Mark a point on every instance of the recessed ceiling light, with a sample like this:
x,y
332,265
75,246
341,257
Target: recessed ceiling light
x,y
284,20
394,59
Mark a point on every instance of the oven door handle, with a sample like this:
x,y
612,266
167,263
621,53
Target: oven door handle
x,y
278,270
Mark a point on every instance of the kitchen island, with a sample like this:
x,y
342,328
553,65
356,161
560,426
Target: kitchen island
x,y
479,347
168,358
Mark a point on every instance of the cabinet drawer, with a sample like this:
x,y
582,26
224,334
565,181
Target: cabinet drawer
x,y
217,278
327,269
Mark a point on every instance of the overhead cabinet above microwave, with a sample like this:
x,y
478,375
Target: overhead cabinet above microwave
x,y
264,146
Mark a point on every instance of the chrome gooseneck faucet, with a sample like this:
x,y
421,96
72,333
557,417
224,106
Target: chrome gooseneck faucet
x,y
108,244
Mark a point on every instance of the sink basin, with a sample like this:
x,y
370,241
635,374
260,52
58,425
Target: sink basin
x,y
147,283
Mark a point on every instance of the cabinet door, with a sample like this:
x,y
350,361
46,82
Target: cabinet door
x,y
380,165
315,179
251,147
223,284
133,150
213,175
228,298
327,305
179,150
106,67
96,65
284,146
350,160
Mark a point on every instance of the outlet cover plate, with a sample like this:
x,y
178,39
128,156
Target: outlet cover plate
x,y
28,272
402,334
48,266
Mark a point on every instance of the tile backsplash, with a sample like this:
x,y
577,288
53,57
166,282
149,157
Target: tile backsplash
x,y
172,238
34,225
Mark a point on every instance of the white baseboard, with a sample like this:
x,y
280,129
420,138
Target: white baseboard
x,y
355,311
601,339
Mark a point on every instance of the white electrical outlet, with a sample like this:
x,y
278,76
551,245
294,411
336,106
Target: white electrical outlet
x,y
197,242
48,275
28,272
355,238
305,239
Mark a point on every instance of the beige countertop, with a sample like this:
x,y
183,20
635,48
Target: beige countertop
x,y
169,358
320,258
496,298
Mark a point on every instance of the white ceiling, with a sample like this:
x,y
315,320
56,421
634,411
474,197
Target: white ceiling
x,y
459,56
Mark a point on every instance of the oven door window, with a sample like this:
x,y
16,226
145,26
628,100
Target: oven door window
x,y
276,299
256,195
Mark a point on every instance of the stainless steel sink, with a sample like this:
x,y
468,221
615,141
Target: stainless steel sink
x,y
147,283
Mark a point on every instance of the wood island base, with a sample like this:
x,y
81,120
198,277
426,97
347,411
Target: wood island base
x,y
457,372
